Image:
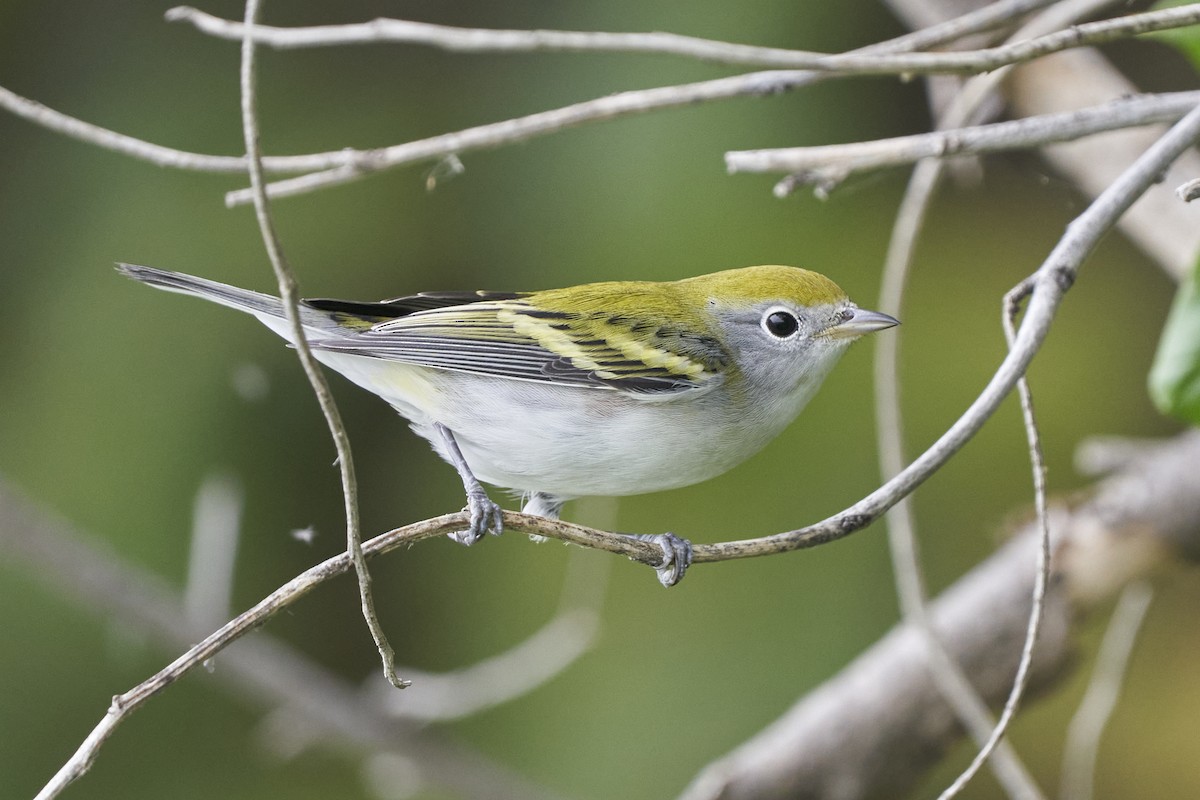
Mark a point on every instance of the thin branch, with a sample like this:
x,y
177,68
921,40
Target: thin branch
x,y
491,40
950,678
291,306
162,156
520,129
485,40
640,101
263,670
1087,726
1037,460
368,160
125,704
951,681
820,164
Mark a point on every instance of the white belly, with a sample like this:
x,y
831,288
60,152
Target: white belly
x,y
572,441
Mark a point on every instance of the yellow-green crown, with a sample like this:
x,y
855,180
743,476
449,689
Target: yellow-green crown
x,y
685,300
771,282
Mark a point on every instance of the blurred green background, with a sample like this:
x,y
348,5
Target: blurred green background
x,y
117,402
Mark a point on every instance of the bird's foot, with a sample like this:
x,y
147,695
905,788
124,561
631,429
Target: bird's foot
x,y
486,517
677,556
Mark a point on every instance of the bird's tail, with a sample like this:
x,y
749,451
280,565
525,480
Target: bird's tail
x,y
267,308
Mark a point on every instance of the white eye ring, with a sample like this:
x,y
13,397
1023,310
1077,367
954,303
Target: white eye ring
x,y
780,322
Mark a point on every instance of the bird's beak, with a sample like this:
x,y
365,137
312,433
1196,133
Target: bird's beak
x,y
862,322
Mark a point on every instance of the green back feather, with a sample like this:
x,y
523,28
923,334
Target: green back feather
x,y
628,335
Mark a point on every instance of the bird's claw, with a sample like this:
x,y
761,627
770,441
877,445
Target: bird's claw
x,y
486,517
677,556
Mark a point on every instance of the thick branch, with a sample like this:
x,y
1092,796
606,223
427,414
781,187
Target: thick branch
x,y
874,729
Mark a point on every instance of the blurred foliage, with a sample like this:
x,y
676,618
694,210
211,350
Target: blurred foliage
x,y
119,401
1175,373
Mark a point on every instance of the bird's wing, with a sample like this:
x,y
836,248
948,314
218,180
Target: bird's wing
x,y
508,337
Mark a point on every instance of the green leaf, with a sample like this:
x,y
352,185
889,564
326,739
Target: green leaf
x,y
1185,40
1175,375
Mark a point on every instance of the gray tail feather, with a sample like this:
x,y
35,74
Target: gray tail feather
x,y
241,299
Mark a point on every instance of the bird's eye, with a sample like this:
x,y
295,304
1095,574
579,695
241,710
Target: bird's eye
x,y
781,324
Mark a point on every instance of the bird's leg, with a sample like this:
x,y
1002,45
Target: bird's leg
x,y
677,552
677,556
485,514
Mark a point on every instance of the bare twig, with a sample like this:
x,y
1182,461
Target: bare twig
x,y
821,163
950,679
368,160
757,83
1012,302
125,704
482,40
162,156
291,306
1087,726
485,40
491,40
262,669
1050,283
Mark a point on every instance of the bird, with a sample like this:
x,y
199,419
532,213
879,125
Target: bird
x,y
600,389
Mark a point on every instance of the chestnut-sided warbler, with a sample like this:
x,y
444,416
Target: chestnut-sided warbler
x,y
601,389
